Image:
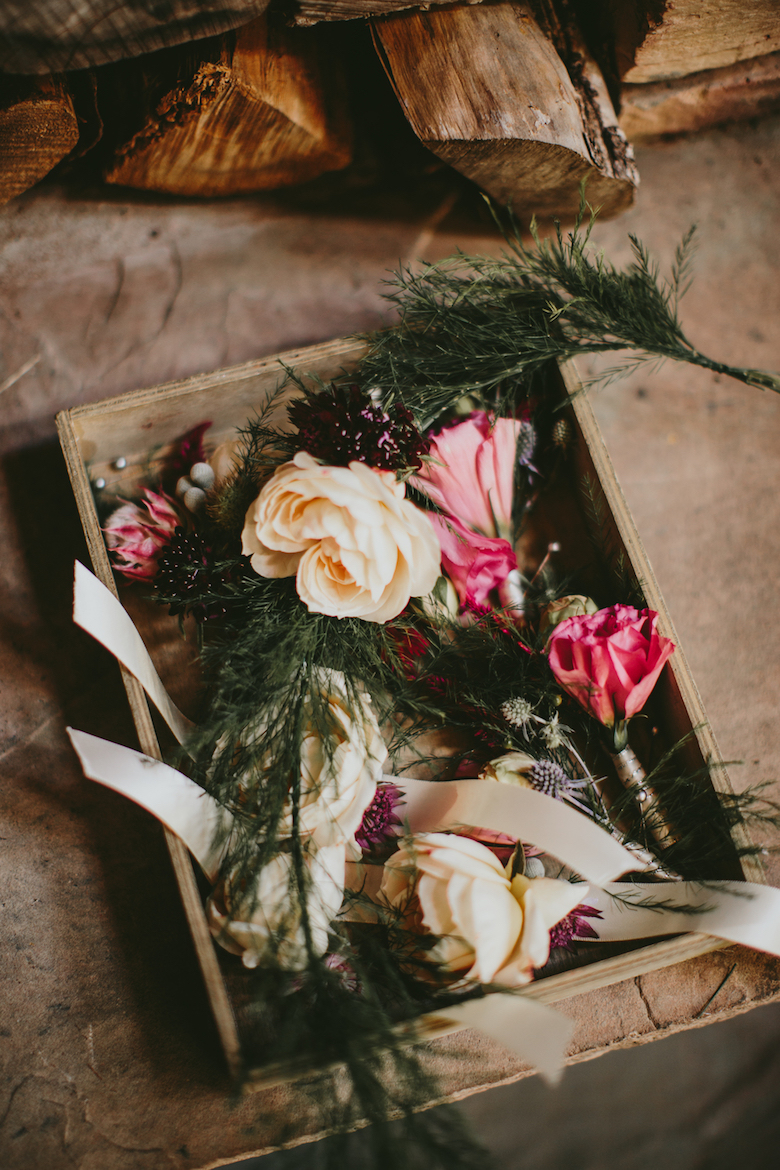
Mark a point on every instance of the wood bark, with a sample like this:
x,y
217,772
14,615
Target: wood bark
x,y
254,111
660,39
49,36
38,127
735,93
488,92
311,11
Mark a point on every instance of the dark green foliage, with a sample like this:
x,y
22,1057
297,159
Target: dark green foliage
x,y
485,326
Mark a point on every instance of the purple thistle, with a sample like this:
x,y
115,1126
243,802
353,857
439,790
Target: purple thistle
x,y
380,818
342,424
574,926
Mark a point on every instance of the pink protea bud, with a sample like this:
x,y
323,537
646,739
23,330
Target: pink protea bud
x,y
137,533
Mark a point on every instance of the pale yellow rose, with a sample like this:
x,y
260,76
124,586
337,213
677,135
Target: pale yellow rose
x,y
575,605
356,546
510,769
494,928
265,925
337,786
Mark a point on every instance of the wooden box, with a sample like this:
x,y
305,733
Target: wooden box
x,y
120,439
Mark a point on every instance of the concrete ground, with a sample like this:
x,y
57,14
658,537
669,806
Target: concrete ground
x,y
101,293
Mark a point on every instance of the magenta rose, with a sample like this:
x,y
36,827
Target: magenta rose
x,y
475,564
609,661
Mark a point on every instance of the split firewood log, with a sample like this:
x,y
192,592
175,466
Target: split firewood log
x,y
659,39
38,127
735,93
254,110
487,91
311,11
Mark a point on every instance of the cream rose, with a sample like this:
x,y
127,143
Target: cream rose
x,y
494,928
339,779
265,926
510,769
357,547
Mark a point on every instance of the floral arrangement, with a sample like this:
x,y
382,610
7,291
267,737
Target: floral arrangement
x,y
367,624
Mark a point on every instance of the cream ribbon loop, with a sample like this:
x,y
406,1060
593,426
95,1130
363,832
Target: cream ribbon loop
x,y
531,816
189,812
103,616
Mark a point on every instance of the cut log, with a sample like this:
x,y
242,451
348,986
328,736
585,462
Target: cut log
x,y
486,91
307,12
50,36
735,93
254,111
38,127
660,39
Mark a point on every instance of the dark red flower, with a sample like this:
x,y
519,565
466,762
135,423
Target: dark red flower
x,y
343,424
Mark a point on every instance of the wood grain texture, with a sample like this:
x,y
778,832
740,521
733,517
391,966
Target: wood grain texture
x,y
38,127
262,109
311,11
486,91
748,89
93,435
52,35
660,39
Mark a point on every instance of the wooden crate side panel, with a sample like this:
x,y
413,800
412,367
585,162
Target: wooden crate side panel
x,y
676,685
147,737
131,425
98,433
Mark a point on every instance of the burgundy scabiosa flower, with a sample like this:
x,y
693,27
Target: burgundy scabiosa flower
x,y
574,926
187,579
137,533
343,424
380,818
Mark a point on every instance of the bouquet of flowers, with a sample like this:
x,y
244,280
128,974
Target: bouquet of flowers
x,y
415,774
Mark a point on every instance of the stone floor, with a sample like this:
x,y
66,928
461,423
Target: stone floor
x,y
108,1063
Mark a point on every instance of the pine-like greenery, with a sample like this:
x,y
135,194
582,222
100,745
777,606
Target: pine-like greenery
x,y
491,326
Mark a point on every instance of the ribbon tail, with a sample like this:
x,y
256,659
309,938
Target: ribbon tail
x,y
538,1034
103,616
178,802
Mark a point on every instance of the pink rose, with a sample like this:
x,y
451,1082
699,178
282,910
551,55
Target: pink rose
x,y
609,661
475,564
471,472
137,533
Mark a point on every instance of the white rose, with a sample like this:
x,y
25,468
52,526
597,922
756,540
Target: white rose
x,y
266,925
497,927
357,547
339,779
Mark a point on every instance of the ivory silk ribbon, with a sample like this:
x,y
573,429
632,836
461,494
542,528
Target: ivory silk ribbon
x,y
103,616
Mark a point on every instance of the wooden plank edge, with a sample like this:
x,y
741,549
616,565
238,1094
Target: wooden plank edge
x,y
182,866
307,356
752,867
